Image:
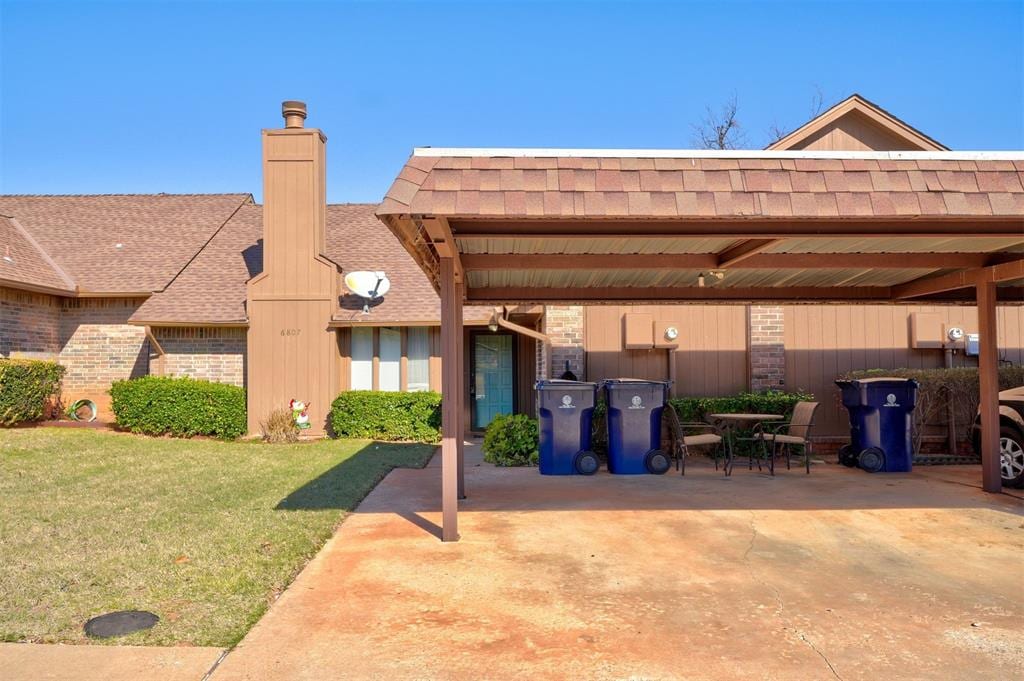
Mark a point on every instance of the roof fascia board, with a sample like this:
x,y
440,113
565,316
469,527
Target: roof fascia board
x,y
513,152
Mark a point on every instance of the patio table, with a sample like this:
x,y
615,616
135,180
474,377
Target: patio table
x,y
730,422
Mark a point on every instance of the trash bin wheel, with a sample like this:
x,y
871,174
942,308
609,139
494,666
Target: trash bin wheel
x,y
586,463
657,462
847,456
872,459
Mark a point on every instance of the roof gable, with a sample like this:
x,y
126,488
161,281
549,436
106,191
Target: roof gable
x,y
856,124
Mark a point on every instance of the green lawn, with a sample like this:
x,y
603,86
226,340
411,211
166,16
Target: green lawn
x,y
203,533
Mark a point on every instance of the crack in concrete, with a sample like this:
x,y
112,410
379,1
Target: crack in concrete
x,y
780,604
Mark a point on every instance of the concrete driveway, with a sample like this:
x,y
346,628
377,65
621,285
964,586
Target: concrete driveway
x,y
836,575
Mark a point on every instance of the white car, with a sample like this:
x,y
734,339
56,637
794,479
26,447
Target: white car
x,y
1011,436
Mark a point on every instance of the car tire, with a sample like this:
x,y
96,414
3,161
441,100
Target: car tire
x,y
586,463
1011,450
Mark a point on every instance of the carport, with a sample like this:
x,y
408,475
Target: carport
x,y
535,226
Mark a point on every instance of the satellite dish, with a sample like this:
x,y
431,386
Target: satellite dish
x,y
368,285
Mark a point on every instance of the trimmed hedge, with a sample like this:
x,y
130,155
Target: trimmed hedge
x,y
768,402
25,387
389,416
183,407
512,440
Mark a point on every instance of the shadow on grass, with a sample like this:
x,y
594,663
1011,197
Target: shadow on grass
x,y
343,486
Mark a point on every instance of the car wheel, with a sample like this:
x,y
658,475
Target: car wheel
x,y
1011,451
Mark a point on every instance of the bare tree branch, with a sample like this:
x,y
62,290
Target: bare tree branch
x,y
720,130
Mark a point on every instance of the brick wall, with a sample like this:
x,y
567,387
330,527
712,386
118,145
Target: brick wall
x,y
564,325
767,348
98,346
210,353
29,324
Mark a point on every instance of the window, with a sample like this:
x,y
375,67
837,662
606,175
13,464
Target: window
x,y
390,359
418,351
362,358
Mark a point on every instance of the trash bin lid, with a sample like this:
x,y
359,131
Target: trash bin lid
x,y
634,381
883,379
561,383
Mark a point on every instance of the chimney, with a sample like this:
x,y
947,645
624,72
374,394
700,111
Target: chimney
x,y
293,353
294,113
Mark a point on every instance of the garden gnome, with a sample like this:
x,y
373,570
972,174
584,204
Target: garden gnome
x,y
300,413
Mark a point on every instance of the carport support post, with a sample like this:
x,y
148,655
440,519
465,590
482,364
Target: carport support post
x,y
988,379
460,294
451,388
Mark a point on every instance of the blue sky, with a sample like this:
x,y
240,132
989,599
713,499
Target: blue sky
x,y
171,96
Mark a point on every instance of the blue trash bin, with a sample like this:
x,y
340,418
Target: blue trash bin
x,y
566,409
881,424
634,426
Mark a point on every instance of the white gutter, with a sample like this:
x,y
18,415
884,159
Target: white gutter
x,y
513,152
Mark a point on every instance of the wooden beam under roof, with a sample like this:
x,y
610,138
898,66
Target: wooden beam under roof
x,y
643,294
1002,272
441,238
742,228
745,249
755,261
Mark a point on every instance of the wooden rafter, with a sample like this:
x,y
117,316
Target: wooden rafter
x,y
741,228
735,255
440,235
676,293
766,261
1005,271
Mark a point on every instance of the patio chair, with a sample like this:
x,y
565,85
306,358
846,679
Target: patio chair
x,y
794,433
681,442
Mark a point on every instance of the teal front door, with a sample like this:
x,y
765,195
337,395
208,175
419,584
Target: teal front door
x,y
493,377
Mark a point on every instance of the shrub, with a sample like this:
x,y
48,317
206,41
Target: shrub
x,y
395,417
940,388
279,427
512,441
183,407
25,387
768,402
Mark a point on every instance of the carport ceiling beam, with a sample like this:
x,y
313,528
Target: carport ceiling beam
x,y
743,250
640,294
925,286
744,228
440,235
756,261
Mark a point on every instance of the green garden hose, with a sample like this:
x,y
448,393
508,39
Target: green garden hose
x,y
73,411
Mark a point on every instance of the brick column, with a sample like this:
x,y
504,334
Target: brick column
x,y
564,325
766,329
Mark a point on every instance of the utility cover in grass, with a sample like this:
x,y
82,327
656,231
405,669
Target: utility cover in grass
x,y
120,623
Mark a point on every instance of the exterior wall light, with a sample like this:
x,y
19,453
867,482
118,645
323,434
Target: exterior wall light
x,y
671,333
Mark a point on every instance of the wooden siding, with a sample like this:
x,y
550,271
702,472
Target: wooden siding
x,y
711,358
824,341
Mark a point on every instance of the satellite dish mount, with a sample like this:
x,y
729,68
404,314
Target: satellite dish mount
x,y
370,286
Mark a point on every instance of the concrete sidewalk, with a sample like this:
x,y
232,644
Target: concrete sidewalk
x,y
40,662
839,574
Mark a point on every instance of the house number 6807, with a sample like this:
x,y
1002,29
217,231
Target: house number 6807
x,y
290,332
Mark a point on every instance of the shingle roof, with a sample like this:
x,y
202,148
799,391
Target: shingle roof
x,y
158,233
766,185
23,263
211,290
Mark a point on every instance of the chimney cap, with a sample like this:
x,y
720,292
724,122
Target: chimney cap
x,y
294,113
